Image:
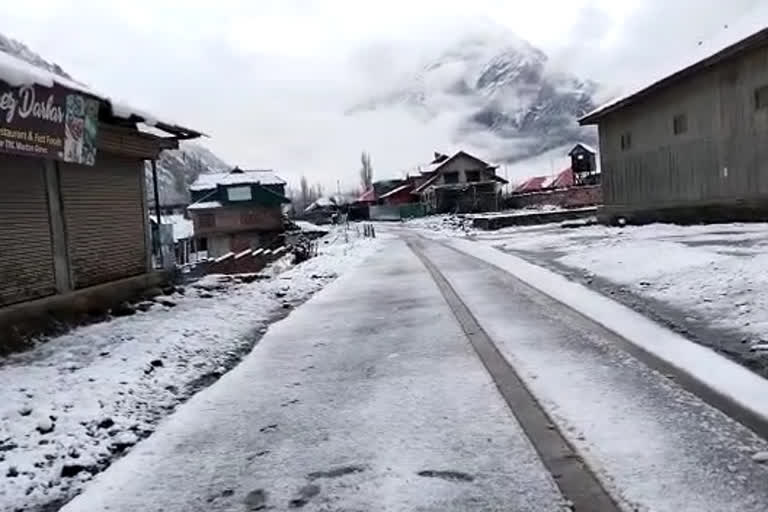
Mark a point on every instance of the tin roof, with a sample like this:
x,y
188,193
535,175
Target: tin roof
x,y
748,32
17,72
209,181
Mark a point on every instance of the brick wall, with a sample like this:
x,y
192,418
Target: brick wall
x,y
574,197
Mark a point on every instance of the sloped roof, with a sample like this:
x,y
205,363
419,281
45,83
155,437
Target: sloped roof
x,y
537,183
367,196
396,190
530,185
748,32
420,188
17,72
209,181
585,146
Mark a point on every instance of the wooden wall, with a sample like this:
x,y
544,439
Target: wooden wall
x,y
722,158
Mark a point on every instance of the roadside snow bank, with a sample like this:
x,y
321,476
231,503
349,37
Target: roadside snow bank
x,y
73,404
727,379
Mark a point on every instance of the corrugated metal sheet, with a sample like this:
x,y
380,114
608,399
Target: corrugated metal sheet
x,y
26,251
104,220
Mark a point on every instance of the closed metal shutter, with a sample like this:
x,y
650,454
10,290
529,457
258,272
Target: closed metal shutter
x,y
104,220
26,251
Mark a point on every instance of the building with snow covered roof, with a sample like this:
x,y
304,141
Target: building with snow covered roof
x,y
72,193
459,183
691,145
237,210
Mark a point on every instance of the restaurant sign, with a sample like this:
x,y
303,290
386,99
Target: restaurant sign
x,y
48,122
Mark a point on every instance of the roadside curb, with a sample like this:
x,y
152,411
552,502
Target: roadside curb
x,y
723,384
577,481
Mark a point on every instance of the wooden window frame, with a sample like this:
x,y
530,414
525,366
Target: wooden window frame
x,y
473,174
453,174
626,141
206,220
761,97
680,124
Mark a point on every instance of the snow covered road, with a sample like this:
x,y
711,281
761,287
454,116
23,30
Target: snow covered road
x,y
371,397
368,397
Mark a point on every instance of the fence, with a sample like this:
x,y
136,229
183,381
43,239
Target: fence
x,y
397,212
574,197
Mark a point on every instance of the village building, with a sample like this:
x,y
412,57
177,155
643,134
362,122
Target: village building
x,y
237,210
461,183
574,187
72,193
691,146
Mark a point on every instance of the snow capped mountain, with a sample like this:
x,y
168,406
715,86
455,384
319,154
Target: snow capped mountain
x,y
176,169
501,86
22,51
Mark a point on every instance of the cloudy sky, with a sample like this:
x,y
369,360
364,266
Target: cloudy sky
x,y
270,80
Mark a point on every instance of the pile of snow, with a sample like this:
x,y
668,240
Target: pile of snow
x,y
17,71
210,181
74,403
447,224
716,273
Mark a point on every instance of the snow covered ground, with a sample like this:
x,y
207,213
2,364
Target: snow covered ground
x,y
73,404
655,446
367,398
710,275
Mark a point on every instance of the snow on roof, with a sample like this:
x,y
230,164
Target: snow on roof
x,y
17,72
395,190
182,227
209,181
368,195
585,146
205,205
753,24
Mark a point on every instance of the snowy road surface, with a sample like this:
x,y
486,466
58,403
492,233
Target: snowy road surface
x,y
343,405
370,397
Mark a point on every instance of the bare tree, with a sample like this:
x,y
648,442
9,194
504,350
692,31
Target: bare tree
x,y
366,171
305,192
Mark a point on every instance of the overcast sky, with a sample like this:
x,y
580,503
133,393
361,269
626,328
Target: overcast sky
x,y
270,80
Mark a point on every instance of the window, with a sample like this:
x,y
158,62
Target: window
x,y
206,220
451,177
472,175
761,97
249,218
239,193
626,141
680,124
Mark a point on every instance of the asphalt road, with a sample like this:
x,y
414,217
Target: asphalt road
x,y
381,394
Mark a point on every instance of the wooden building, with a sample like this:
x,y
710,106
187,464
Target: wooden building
x,y
691,146
461,183
73,210
237,210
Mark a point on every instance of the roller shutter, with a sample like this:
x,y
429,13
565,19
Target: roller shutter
x,y
104,220
26,251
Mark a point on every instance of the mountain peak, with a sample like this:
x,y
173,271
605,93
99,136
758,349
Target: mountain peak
x,y
500,84
22,51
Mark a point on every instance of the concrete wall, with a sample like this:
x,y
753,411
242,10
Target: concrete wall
x,y
462,164
722,159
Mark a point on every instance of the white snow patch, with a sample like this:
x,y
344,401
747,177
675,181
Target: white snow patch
x,y
209,181
17,72
110,383
727,378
